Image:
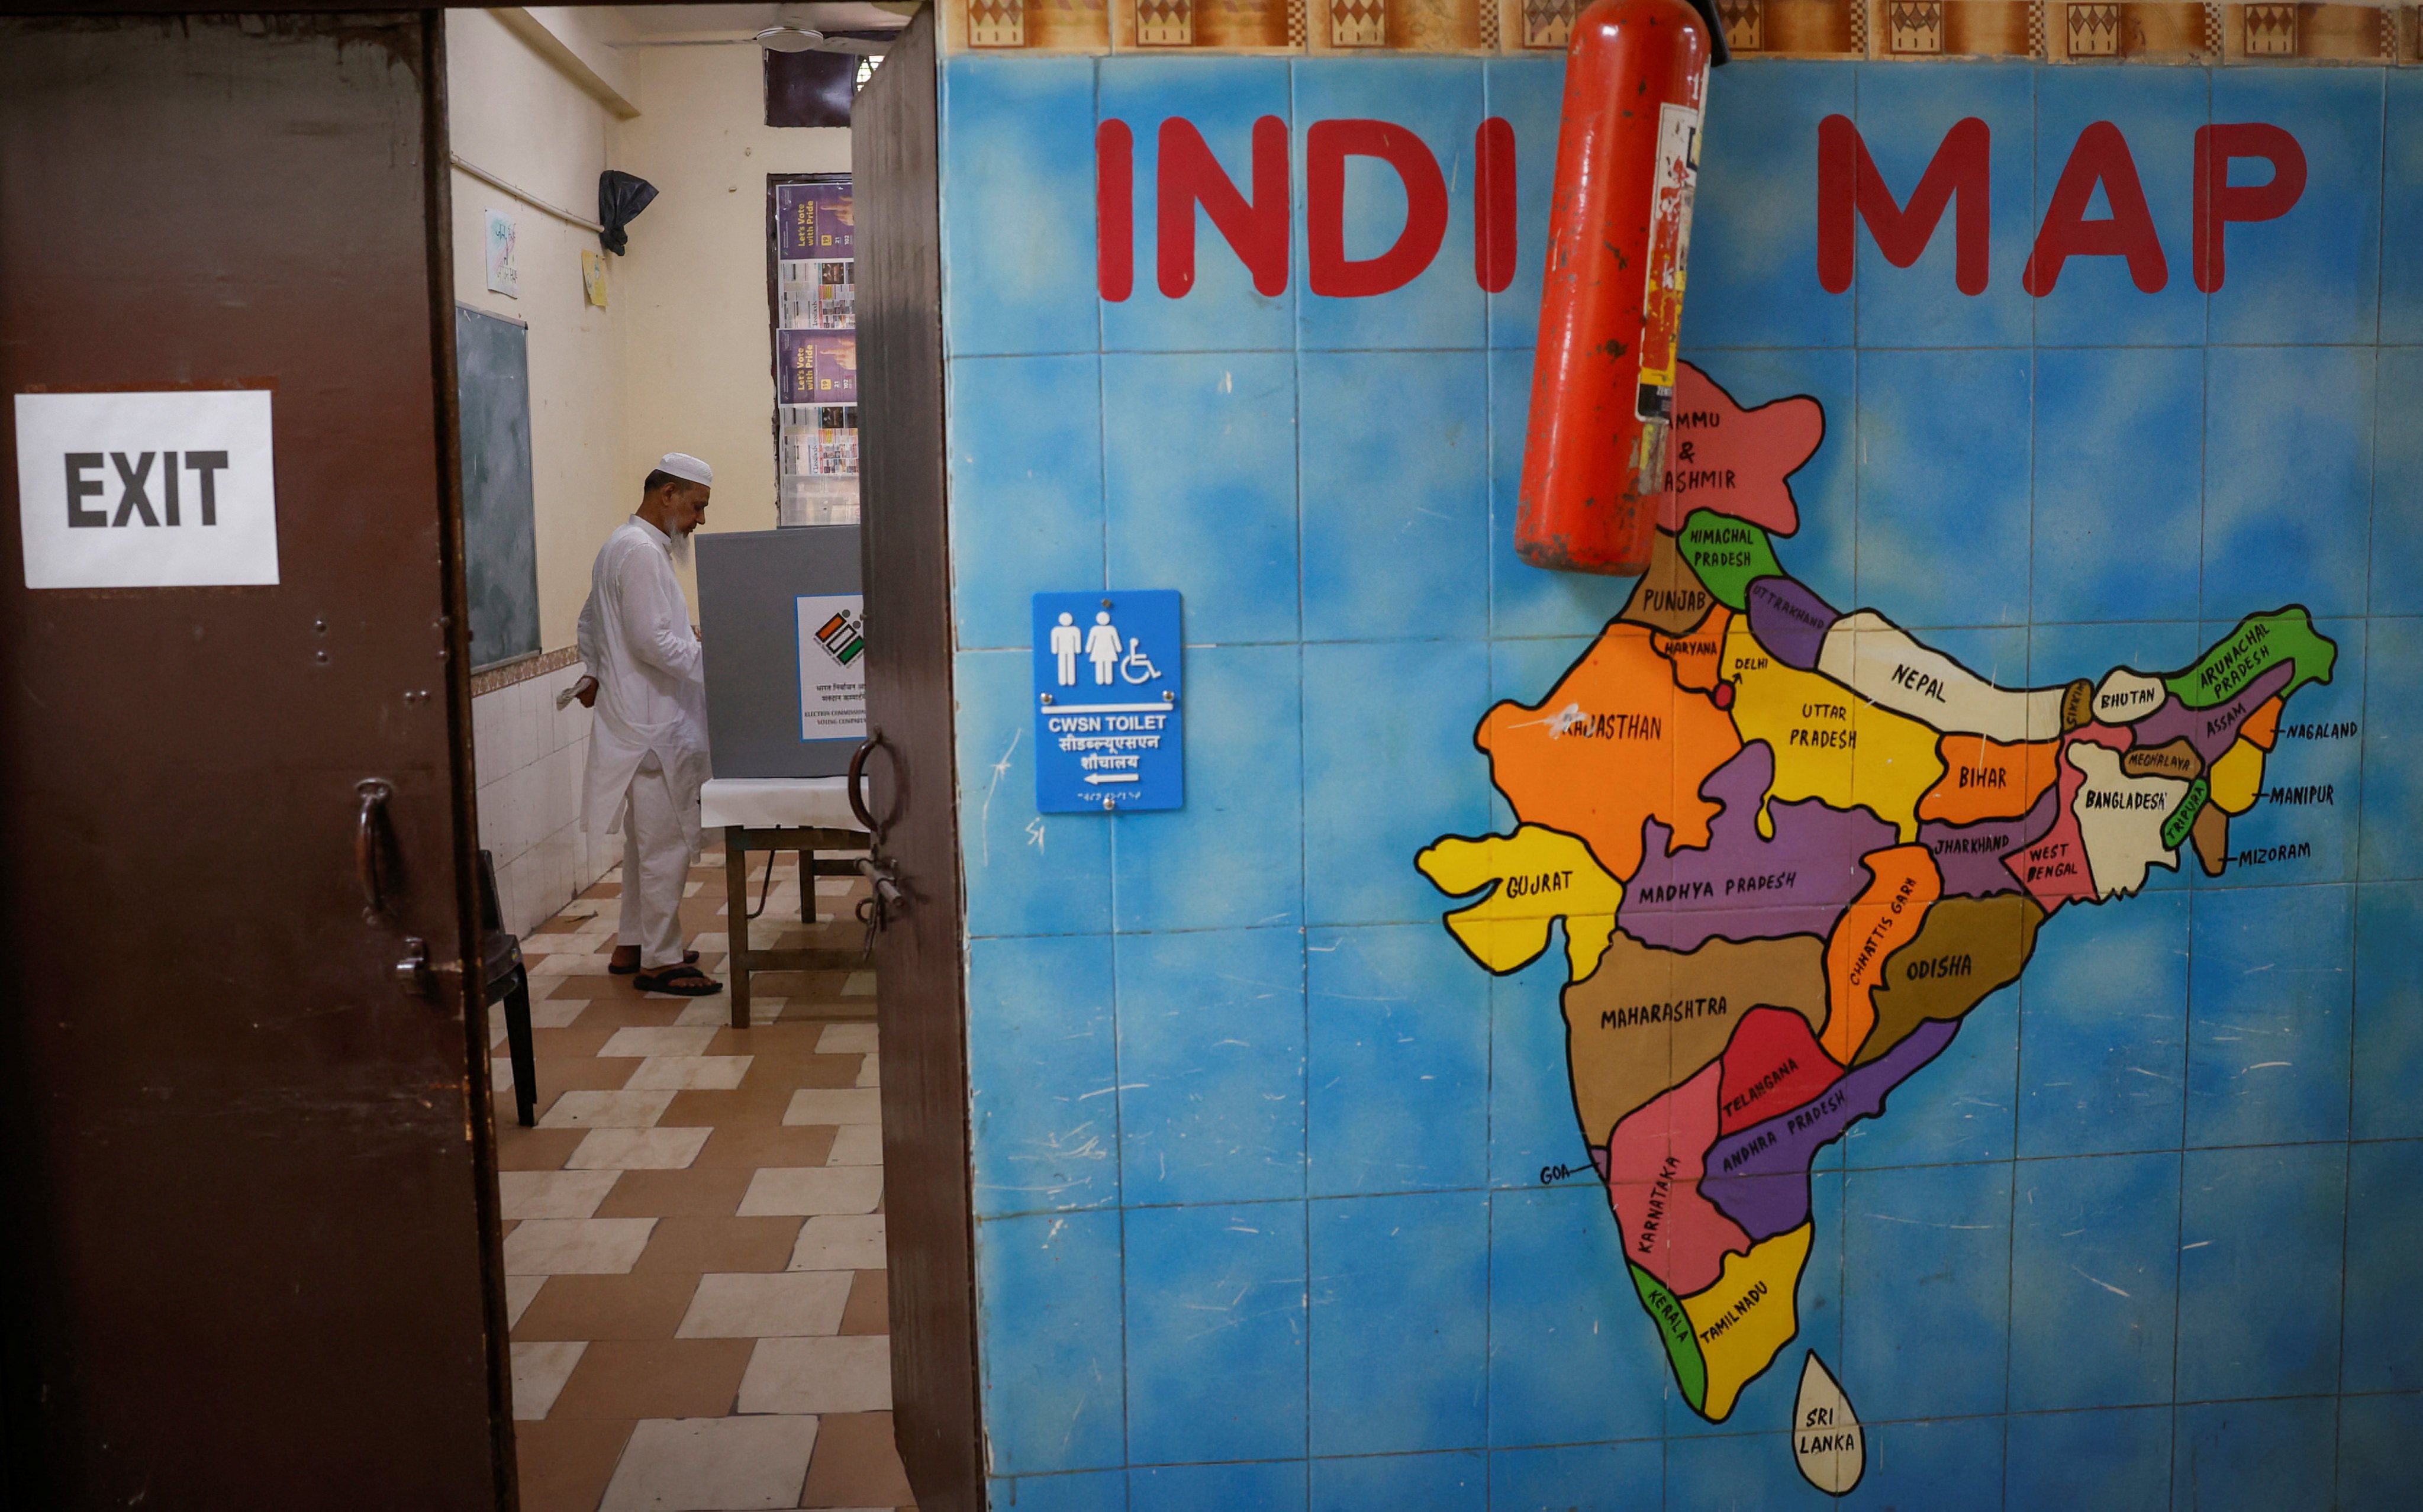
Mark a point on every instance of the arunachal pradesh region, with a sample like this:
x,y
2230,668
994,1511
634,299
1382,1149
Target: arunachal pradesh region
x,y
1791,848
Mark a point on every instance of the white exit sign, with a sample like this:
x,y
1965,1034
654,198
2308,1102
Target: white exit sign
x,y
158,490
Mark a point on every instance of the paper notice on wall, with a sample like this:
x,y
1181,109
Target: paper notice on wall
x,y
832,667
816,309
505,274
819,296
593,276
818,367
159,490
812,220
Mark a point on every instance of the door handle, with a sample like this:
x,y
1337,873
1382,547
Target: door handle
x,y
855,788
370,846
885,895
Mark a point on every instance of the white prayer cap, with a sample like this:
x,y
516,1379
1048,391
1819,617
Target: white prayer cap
x,y
683,466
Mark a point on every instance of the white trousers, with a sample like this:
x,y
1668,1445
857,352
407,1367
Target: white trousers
x,y
656,868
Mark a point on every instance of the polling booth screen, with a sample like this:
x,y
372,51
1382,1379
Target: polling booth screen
x,y
785,643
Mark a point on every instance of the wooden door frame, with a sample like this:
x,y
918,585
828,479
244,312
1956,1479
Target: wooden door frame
x,y
471,978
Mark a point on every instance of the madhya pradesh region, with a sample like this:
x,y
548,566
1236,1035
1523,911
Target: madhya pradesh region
x,y
1534,876
1744,886
1614,744
1650,1020
1968,949
1743,1321
1830,743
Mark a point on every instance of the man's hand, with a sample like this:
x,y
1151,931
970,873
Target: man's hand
x,y
586,691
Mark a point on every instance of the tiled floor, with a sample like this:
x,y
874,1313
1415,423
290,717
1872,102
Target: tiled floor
x,y
694,1231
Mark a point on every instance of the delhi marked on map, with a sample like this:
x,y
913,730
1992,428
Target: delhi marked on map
x,y
1791,847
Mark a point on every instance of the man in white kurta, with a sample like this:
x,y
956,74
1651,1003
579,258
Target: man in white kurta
x,y
647,745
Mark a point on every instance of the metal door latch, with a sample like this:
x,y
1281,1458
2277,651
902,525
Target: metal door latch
x,y
414,972
884,898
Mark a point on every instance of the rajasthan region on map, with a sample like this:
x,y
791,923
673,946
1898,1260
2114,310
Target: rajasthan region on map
x,y
1791,847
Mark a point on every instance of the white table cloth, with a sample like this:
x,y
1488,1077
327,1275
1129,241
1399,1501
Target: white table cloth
x,y
776,803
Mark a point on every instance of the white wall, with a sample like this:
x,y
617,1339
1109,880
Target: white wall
x,y
700,360
531,759
515,114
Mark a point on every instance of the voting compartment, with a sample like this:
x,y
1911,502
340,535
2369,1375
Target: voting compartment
x,y
785,643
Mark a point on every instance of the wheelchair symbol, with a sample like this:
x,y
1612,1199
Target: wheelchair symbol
x,y
1135,666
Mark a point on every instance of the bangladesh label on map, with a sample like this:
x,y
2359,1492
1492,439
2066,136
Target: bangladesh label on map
x,y
1791,848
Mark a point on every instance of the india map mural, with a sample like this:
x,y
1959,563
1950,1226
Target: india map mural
x,y
1792,846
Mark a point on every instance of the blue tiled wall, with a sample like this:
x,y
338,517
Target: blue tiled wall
x,y
1259,1149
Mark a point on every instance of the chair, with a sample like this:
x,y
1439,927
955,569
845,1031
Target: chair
x,y
502,956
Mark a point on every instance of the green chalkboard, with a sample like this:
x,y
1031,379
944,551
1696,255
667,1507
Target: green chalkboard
x,y
500,514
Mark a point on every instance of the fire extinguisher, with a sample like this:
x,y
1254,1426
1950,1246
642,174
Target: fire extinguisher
x,y
1611,305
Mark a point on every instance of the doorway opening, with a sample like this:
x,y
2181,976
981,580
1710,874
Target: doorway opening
x,y
694,1220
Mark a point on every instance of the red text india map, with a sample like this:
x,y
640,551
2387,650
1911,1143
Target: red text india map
x,y
1791,847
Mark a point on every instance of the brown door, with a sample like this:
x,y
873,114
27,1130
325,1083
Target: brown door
x,y
252,1245
921,999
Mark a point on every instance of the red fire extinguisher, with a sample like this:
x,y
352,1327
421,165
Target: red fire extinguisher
x,y
1611,306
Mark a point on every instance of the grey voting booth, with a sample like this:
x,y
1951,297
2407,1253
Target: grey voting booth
x,y
785,649
785,645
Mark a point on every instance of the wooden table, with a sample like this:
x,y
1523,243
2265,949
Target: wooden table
x,y
738,840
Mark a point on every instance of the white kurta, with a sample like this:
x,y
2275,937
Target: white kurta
x,y
635,640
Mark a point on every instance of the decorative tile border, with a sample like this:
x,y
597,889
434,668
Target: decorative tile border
x,y
2052,31
537,664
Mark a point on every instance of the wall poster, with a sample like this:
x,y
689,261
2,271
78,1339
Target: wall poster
x,y
815,345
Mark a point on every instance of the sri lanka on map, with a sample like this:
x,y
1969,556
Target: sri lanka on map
x,y
1792,847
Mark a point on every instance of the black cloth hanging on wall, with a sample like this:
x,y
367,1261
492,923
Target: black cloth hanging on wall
x,y
620,196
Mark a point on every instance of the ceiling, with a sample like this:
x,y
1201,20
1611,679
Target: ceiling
x,y
702,22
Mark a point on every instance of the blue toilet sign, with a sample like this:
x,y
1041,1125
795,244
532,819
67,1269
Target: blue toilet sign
x,y
1109,716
